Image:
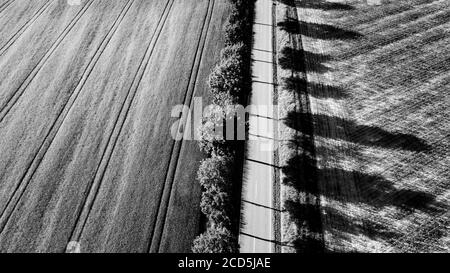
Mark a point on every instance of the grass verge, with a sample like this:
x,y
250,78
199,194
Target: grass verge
x,y
301,225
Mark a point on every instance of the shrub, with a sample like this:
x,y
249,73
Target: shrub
x,y
242,6
211,132
234,33
215,173
227,83
234,51
216,240
216,206
227,77
224,99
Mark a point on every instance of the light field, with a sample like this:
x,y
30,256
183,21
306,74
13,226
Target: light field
x,y
86,94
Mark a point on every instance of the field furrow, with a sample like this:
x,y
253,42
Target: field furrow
x,y
116,131
76,71
17,25
182,212
129,226
176,147
4,4
88,162
10,96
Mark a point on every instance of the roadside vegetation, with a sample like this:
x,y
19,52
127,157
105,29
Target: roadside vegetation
x,y
301,227
229,85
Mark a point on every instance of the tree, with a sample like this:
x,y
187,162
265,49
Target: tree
x,y
216,206
227,77
216,240
215,173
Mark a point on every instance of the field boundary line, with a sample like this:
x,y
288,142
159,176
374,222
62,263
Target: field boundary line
x,y
24,27
166,194
95,184
55,127
23,86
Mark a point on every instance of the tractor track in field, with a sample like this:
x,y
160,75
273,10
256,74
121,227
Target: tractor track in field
x,y
23,86
5,6
417,236
432,19
405,175
24,27
164,198
394,14
56,125
113,137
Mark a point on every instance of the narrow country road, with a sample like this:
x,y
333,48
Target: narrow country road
x,y
257,233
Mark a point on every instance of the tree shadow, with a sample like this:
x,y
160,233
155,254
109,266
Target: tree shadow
x,y
317,90
317,4
301,60
302,174
349,225
307,218
348,130
317,31
308,244
304,210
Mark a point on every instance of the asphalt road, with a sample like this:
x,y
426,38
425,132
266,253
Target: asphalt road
x,y
257,229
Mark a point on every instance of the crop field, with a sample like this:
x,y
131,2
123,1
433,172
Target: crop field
x,y
86,94
378,77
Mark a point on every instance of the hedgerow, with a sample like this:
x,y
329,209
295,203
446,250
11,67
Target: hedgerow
x,y
216,240
215,172
237,51
228,76
214,206
212,140
228,84
213,129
